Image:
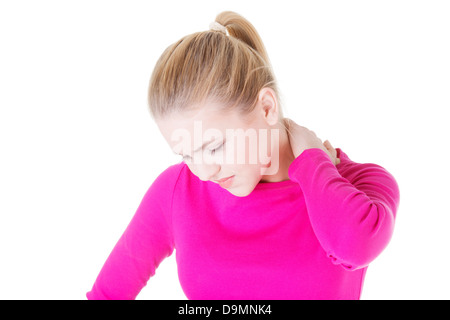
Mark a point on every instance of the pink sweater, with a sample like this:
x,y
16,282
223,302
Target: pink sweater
x,y
310,237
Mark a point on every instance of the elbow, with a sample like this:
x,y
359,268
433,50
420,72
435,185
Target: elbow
x,y
349,262
370,235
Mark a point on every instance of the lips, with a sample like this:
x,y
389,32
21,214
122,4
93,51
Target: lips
x,y
226,182
224,179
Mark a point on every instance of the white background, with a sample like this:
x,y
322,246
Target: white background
x,y
78,148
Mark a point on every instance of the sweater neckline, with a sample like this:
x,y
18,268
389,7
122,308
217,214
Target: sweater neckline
x,y
274,185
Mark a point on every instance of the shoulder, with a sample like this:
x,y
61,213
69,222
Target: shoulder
x,y
368,175
161,191
349,166
172,172
169,177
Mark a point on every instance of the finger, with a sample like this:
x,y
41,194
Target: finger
x,y
333,159
328,145
330,148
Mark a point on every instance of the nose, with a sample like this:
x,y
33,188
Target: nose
x,y
206,172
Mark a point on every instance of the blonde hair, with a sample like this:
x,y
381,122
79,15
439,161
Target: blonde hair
x,y
211,66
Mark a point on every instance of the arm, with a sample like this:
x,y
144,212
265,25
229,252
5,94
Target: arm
x,y
351,206
146,241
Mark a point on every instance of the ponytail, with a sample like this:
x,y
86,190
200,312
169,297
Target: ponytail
x,y
240,28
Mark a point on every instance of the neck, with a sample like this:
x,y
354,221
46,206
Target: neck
x,y
285,156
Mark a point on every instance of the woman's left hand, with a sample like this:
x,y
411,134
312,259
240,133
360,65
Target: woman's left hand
x,y
301,138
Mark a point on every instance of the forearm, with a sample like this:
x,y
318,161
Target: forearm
x,y
352,221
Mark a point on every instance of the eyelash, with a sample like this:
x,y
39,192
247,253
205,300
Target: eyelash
x,y
212,152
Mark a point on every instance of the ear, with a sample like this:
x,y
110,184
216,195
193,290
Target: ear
x,y
269,105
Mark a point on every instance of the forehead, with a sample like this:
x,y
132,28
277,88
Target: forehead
x,y
208,116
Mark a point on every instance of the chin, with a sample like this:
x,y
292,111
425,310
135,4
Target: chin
x,y
240,195
240,192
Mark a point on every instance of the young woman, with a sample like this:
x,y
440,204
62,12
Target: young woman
x,y
294,219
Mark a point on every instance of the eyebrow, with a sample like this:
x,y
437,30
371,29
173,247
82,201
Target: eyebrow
x,y
202,147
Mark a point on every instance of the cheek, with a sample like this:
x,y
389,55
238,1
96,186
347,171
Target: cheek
x,y
244,159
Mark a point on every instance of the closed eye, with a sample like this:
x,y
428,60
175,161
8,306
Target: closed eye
x,y
186,158
216,149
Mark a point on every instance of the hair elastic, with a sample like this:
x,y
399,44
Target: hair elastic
x,y
218,27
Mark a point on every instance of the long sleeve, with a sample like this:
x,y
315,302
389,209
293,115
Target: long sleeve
x,y
146,241
351,206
